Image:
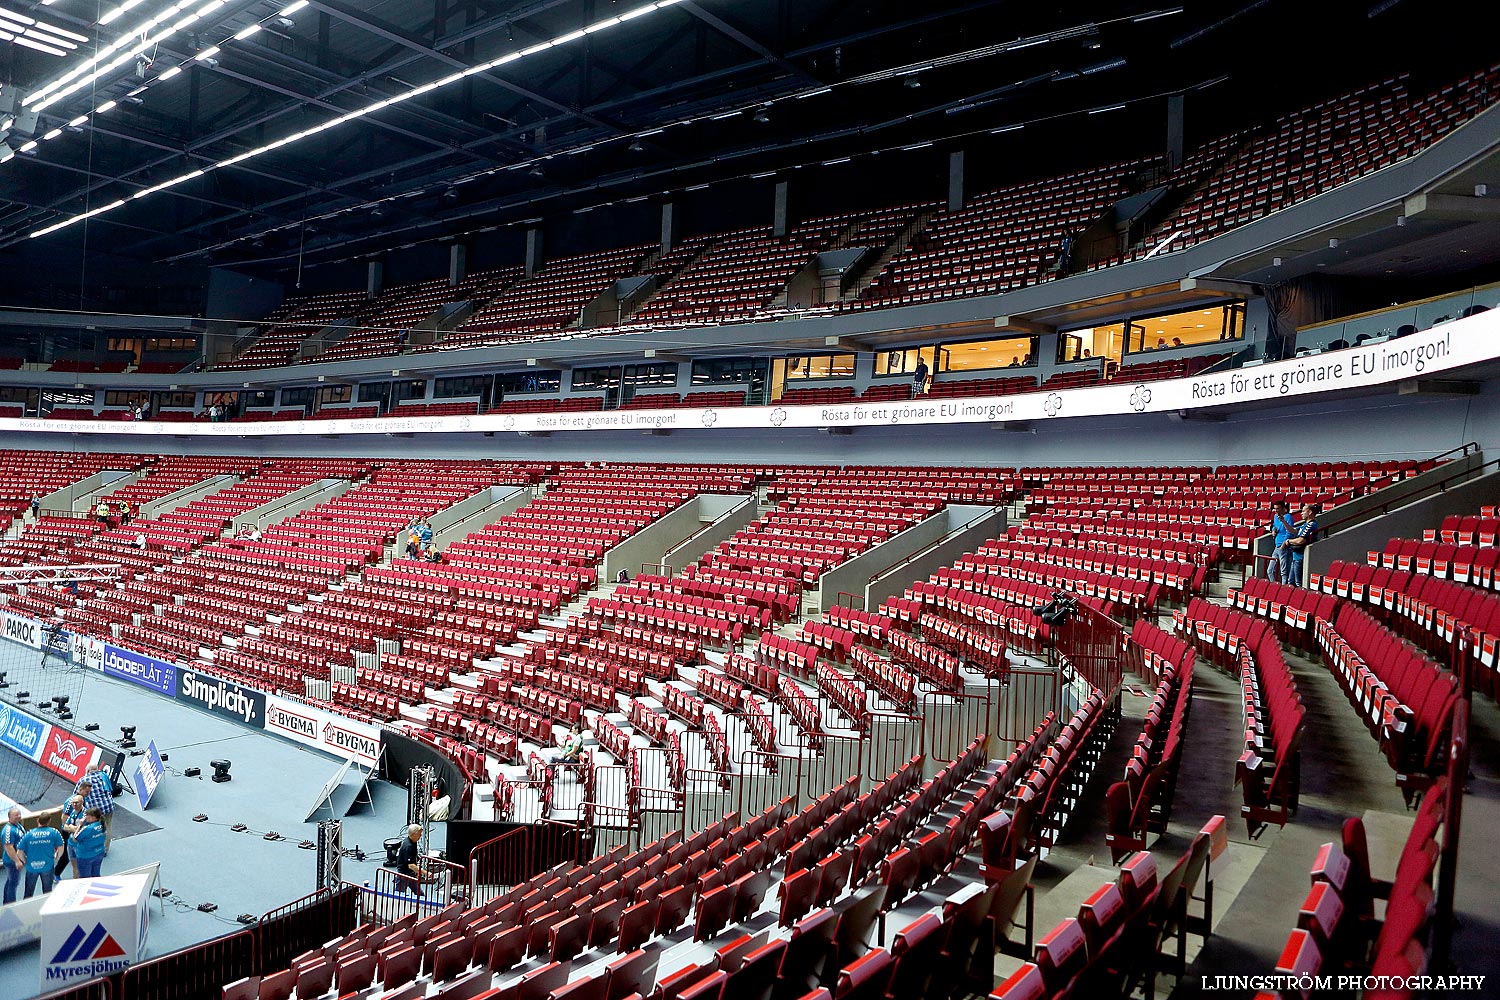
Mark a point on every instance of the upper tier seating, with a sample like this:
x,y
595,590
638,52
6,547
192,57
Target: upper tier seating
x,y
1320,147
1001,240
294,321
386,324
549,301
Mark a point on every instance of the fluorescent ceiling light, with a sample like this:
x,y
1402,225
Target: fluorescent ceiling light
x,y
296,136
292,8
207,53
246,32
52,135
78,121
169,73
40,46
1112,107
106,106
123,8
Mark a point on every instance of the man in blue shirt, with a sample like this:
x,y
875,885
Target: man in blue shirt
x,y
42,847
1282,524
97,791
1301,537
10,853
72,822
88,844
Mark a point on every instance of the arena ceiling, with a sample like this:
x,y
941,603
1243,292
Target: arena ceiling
x,y
160,130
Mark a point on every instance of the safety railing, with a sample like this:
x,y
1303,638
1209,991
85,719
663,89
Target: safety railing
x,y
195,973
929,547
392,895
287,931
521,852
1392,499
94,989
1092,644
200,971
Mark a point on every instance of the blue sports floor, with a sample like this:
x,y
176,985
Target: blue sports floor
x,y
273,788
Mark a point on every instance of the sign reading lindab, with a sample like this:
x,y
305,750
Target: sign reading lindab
x,y
225,698
22,733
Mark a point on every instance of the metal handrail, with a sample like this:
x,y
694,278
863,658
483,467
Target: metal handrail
x,y
955,532
1426,489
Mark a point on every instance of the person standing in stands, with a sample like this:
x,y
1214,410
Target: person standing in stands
x,y
10,847
42,847
1282,523
102,513
424,532
88,845
919,377
36,507
1305,534
97,793
409,859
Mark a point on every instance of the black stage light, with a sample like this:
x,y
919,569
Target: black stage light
x,y
221,770
127,737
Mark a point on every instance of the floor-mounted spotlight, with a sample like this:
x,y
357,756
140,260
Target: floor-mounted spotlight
x,y
127,737
221,770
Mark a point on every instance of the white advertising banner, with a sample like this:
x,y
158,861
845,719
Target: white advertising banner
x,y
313,727
88,651
93,927
1454,345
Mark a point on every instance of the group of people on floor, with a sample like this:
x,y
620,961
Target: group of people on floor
x,y
1291,537
44,852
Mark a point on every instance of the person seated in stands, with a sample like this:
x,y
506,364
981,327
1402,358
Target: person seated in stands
x,y
140,541
1176,341
1282,525
433,555
1304,535
623,576
1087,354
1405,330
570,746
